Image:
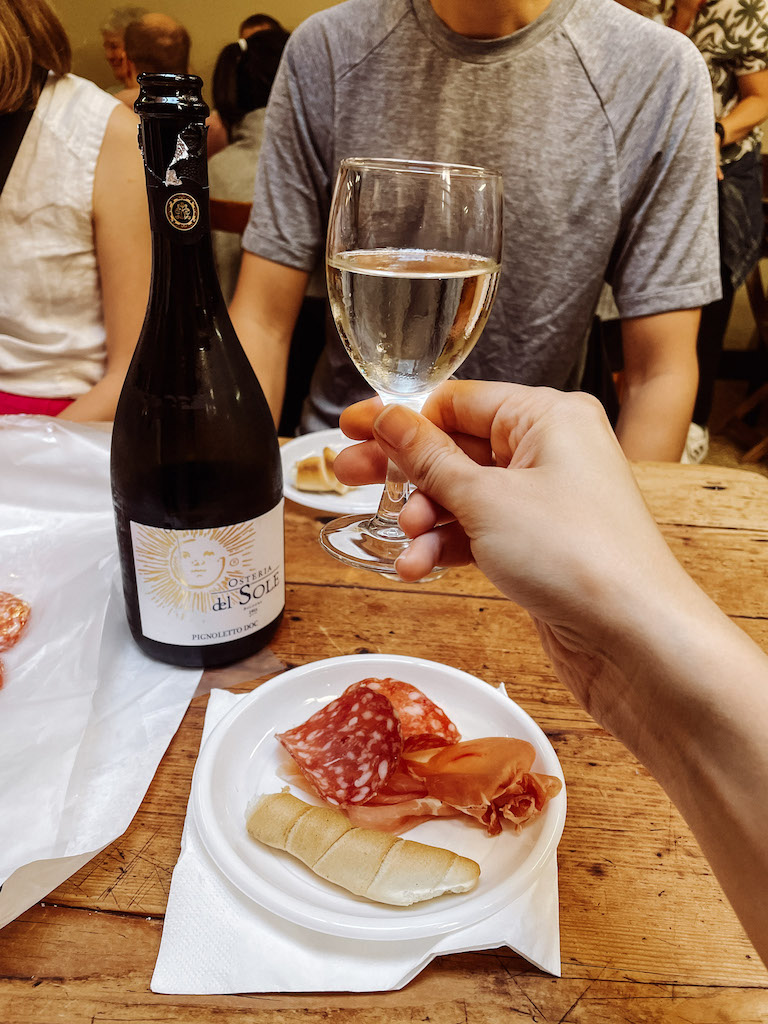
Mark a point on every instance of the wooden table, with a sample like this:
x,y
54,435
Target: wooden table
x,y
646,933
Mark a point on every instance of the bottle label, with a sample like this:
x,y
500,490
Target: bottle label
x,y
182,211
200,587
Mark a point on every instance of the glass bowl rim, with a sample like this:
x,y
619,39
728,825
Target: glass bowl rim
x,y
418,166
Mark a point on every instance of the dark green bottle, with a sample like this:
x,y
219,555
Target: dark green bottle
x,y
196,477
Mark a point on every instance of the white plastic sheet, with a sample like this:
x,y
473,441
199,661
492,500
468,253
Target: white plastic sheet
x,y
85,717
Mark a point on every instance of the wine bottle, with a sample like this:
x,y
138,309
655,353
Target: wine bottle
x,y
195,466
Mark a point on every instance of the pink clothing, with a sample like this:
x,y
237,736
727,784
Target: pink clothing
x,y
10,404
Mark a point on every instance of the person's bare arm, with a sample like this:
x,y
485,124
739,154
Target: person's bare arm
x,y
264,309
123,251
660,379
750,111
217,138
531,485
752,108
684,13
701,732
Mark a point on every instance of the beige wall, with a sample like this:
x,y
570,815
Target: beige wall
x,y
210,24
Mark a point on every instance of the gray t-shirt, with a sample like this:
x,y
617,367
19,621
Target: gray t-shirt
x,y
600,121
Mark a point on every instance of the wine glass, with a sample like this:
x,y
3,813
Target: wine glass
x,y
412,259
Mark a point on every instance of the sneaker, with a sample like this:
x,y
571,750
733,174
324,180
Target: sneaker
x,y
696,445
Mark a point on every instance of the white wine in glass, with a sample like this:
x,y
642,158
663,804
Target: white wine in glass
x,y
413,260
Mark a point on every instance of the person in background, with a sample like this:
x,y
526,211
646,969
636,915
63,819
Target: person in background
x,y
532,486
155,43
219,133
112,36
74,227
158,43
242,80
600,122
733,39
257,23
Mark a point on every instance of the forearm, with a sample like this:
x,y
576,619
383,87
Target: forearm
x,y
270,363
687,691
660,378
267,352
264,309
99,403
654,417
746,115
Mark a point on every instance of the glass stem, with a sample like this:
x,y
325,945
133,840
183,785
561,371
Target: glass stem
x,y
396,490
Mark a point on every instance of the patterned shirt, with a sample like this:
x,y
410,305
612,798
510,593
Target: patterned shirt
x,y
732,36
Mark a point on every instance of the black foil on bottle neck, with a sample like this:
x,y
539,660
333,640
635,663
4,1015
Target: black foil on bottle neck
x,y
172,139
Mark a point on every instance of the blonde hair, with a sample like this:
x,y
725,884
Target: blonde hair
x,y
31,36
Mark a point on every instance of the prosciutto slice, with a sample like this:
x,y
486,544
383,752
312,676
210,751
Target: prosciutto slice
x,y
400,817
490,779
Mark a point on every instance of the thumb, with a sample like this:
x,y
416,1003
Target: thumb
x,y
429,457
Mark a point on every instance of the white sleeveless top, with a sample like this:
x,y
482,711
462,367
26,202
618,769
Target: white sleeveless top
x,y
51,318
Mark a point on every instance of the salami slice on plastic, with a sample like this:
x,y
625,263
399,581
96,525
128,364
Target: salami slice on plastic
x,y
13,618
348,749
423,723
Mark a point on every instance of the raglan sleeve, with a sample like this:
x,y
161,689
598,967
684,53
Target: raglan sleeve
x,y
292,185
666,255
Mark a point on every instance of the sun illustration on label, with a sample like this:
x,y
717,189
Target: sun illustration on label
x,y
183,568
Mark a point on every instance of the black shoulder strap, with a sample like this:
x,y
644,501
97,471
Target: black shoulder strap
x,y
12,128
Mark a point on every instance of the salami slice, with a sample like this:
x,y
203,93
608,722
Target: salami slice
x,y
423,723
13,618
348,749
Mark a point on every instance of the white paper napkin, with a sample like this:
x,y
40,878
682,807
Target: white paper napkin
x,y
85,717
216,941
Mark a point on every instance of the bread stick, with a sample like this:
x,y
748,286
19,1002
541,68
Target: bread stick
x,y
315,473
366,862
311,475
329,457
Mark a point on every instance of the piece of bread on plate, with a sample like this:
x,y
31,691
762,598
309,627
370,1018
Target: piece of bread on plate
x,y
378,865
315,473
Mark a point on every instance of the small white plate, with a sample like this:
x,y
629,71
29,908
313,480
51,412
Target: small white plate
x,y
359,499
240,761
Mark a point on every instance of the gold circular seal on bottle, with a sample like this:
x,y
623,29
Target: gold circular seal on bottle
x,y
182,211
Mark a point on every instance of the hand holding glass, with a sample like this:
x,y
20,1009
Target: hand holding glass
x,y
413,259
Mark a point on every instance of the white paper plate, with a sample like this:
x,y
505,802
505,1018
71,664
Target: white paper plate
x,y
239,762
359,499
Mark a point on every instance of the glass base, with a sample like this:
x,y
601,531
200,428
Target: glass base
x,y
359,542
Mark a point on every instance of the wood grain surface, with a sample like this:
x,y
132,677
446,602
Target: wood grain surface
x,y
646,933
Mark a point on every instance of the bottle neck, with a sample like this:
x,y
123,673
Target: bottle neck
x,y
183,272
177,188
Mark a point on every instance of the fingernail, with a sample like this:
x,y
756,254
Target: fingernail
x,y
401,564
404,556
396,425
